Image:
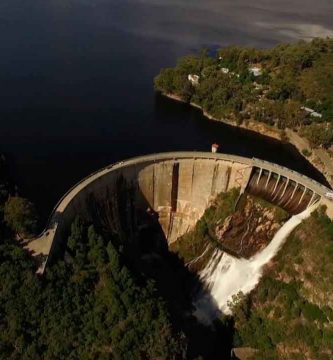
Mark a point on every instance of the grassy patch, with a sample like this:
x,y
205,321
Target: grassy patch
x,y
280,215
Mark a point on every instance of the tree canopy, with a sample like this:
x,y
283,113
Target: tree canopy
x,y
89,306
290,314
20,214
292,77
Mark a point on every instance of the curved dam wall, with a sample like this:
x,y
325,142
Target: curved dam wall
x,y
175,187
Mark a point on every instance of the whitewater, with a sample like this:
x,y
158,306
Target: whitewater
x,y
225,276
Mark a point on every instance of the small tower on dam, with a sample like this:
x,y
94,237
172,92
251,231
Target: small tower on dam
x,y
215,148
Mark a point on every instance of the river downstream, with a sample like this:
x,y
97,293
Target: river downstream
x,y
77,82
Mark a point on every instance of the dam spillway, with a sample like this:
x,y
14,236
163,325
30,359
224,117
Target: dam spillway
x,y
289,194
174,187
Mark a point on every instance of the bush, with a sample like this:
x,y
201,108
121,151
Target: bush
x,y
20,215
192,244
306,152
312,313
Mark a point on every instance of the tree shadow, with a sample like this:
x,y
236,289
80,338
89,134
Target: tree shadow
x,y
125,212
178,286
131,217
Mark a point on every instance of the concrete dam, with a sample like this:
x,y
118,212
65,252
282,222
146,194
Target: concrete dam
x,y
173,188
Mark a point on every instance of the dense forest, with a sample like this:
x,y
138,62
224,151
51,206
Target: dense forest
x,y
99,300
96,302
288,86
88,306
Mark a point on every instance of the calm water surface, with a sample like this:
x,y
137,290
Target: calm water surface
x,y
76,81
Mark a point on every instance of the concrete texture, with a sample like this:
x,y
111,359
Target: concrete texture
x,y
177,187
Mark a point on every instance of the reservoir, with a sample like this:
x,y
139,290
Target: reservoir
x,y
76,89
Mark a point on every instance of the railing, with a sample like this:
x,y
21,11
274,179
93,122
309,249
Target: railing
x,y
175,156
321,189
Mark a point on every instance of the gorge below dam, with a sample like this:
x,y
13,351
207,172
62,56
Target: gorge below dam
x,y
165,195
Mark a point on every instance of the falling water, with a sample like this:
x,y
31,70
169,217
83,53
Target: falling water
x,y
225,276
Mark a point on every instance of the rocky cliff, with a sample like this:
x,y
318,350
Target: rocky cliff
x,y
250,228
239,226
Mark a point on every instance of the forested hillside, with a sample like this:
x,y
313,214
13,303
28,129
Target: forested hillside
x,y
290,85
290,314
96,302
88,306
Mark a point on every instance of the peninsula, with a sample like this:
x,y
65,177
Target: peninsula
x,y
285,92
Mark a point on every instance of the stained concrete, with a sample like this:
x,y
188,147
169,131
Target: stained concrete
x,y
177,187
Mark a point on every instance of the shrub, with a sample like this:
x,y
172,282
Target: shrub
x,y
306,152
312,312
20,215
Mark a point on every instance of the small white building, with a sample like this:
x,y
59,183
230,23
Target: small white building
x,y
317,115
311,112
194,79
255,70
225,70
308,110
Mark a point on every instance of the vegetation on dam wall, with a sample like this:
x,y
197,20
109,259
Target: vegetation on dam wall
x,y
241,226
290,314
192,244
251,226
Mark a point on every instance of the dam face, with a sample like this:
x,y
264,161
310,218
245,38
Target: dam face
x,y
173,189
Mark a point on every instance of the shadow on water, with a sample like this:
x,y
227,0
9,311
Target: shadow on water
x,y
203,132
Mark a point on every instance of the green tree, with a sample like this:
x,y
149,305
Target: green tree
x,y
318,134
20,215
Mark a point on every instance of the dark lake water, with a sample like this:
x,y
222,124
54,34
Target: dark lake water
x,y
76,79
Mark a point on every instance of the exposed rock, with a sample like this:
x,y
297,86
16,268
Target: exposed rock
x,y
249,229
244,353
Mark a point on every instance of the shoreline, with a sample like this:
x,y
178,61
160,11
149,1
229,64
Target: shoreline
x,y
319,158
